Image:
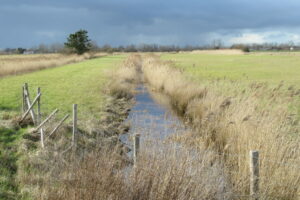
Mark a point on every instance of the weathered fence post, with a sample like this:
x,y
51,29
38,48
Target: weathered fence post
x,y
136,147
30,107
24,107
58,125
42,137
27,98
74,136
254,175
38,120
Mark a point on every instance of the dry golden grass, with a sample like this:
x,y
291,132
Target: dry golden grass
x,y
103,175
257,119
19,64
123,80
220,51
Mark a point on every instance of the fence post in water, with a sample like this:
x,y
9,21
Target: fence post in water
x,y
254,175
136,147
74,137
39,106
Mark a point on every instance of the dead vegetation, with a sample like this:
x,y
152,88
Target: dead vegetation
x,y
20,64
220,51
231,126
103,175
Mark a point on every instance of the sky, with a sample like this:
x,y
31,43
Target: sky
x,y
27,23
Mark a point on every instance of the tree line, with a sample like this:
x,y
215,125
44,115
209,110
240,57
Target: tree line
x,y
80,43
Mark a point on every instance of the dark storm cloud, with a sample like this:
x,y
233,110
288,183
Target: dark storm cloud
x,y
31,22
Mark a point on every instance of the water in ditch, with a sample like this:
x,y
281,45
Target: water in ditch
x,y
152,117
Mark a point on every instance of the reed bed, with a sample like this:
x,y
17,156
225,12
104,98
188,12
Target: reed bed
x,y
19,64
103,175
258,118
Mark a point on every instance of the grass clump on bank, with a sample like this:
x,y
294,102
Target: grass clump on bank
x,y
258,118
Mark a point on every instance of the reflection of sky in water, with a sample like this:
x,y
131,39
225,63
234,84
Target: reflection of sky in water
x,y
151,118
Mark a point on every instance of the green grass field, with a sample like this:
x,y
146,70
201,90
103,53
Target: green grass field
x,y
238,72
80,83
260,67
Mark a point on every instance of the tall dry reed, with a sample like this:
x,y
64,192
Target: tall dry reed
x,y
257,119
102,175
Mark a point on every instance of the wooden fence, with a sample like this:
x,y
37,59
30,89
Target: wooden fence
x,y
32,109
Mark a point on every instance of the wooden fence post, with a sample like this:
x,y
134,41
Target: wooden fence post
x,y
47,119
254,175
42,137
30,107
74,136
58,125
24,106
136,147
39,106
27,98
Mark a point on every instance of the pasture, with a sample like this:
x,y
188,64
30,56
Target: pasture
x,y
80,83
260,67
233,74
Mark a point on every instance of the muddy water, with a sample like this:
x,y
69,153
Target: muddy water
x,y
152,117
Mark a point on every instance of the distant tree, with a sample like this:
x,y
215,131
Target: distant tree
x,y
217,44
79,42
20,50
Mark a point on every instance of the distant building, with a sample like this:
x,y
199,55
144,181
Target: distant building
x,y
28,52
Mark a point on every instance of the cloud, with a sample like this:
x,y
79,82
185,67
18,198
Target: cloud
x,y
248,38
121,22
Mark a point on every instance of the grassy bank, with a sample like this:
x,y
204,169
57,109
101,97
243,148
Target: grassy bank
x,y
9,140
79,83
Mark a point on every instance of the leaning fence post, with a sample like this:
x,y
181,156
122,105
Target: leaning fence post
x,y
136,147
27,98
254,175
74,137
39,106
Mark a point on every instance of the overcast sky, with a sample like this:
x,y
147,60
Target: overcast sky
x,y
25,23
